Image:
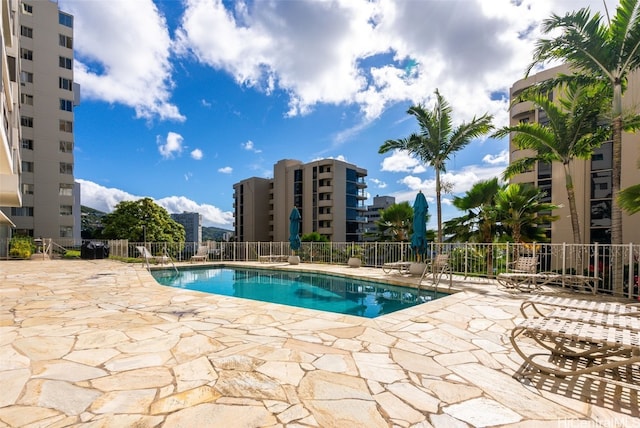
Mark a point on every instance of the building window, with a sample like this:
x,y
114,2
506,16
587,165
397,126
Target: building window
x,y
66,105
65,62
66,146
66,41
65,83
66,232
22,211
66,168
66,210
26,121
26,54
27,9
27,166
66,126
26,77
27,144
26,99
65,19
26,31
27,189
66,189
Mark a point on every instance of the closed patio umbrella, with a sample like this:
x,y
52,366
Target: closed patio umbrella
x,y
294,229
419,235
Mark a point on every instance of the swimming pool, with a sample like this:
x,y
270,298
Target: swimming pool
x,y
306,290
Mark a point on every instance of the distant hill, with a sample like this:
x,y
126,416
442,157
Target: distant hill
x,y
92,221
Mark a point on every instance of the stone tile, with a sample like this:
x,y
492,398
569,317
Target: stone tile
x,y
10,359
150,377
482,412
217,415
284,372
418,398
65,397
398,409
194,373
132,401
249,384
22,416
92,357
346,413
321,385
451,392
44,348
453,358
378,367
137,361
184,399
293,413
418,363
65,370
13,382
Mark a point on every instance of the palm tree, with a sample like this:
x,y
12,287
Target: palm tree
x,y
521,210
395,223
600,52
572,132
437,140
480,222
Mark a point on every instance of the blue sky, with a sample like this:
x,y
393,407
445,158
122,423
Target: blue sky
x,y
182,98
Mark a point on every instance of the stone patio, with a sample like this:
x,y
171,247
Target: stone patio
x,y
98,343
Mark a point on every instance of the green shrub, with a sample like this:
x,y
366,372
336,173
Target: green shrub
x,y
21,247
71,254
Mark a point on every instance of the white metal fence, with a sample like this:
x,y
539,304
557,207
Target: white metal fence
x,y
614,267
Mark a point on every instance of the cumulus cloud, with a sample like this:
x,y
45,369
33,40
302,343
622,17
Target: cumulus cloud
x,y
197,154
123,55
170,146
225,170
401,161
379,183
501,158
249,146
106,198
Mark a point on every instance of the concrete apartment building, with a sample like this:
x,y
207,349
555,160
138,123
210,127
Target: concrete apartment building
x,y
46,101
10,191
373,212
192,223
592,178
328,193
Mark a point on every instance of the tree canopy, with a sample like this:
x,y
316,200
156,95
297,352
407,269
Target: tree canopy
x,y
142,220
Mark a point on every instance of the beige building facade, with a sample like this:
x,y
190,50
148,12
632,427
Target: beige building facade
x,y
47,99
329,194
10,161
592,178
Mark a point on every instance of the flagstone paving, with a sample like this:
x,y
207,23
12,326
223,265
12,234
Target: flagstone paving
x,y
98,343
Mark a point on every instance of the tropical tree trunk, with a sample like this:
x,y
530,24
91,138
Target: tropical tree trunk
x,y
573,211
438,205
616,212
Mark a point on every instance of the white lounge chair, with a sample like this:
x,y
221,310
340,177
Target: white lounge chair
x,y
146,254
201,255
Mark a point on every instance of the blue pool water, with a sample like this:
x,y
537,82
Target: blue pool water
x,y
306,290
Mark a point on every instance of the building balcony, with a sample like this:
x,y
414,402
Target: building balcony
x,y
322,175
325,203
521,108
325,217
325,189
10,195
325,230
361,184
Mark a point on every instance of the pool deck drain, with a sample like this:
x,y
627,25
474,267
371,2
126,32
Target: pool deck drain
x,y
101,344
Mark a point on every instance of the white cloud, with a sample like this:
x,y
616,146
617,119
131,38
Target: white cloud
x,y
249,146
379,183
171,146
501,158
123,55
401,161
106,198
225,170
197,154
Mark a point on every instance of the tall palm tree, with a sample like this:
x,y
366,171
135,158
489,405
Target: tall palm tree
x,y
521,210
572,132
606,53
438,140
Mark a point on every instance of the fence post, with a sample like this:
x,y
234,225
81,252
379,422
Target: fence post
x,y
630,280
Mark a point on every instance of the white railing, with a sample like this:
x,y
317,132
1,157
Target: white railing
x,y
614,267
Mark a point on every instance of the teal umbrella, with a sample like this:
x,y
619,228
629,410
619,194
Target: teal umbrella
x,y
294,229
419,235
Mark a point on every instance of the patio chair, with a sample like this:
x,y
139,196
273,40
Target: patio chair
x,y
521,275
400,266
147,256
573,348
201,255
537,303
438,266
